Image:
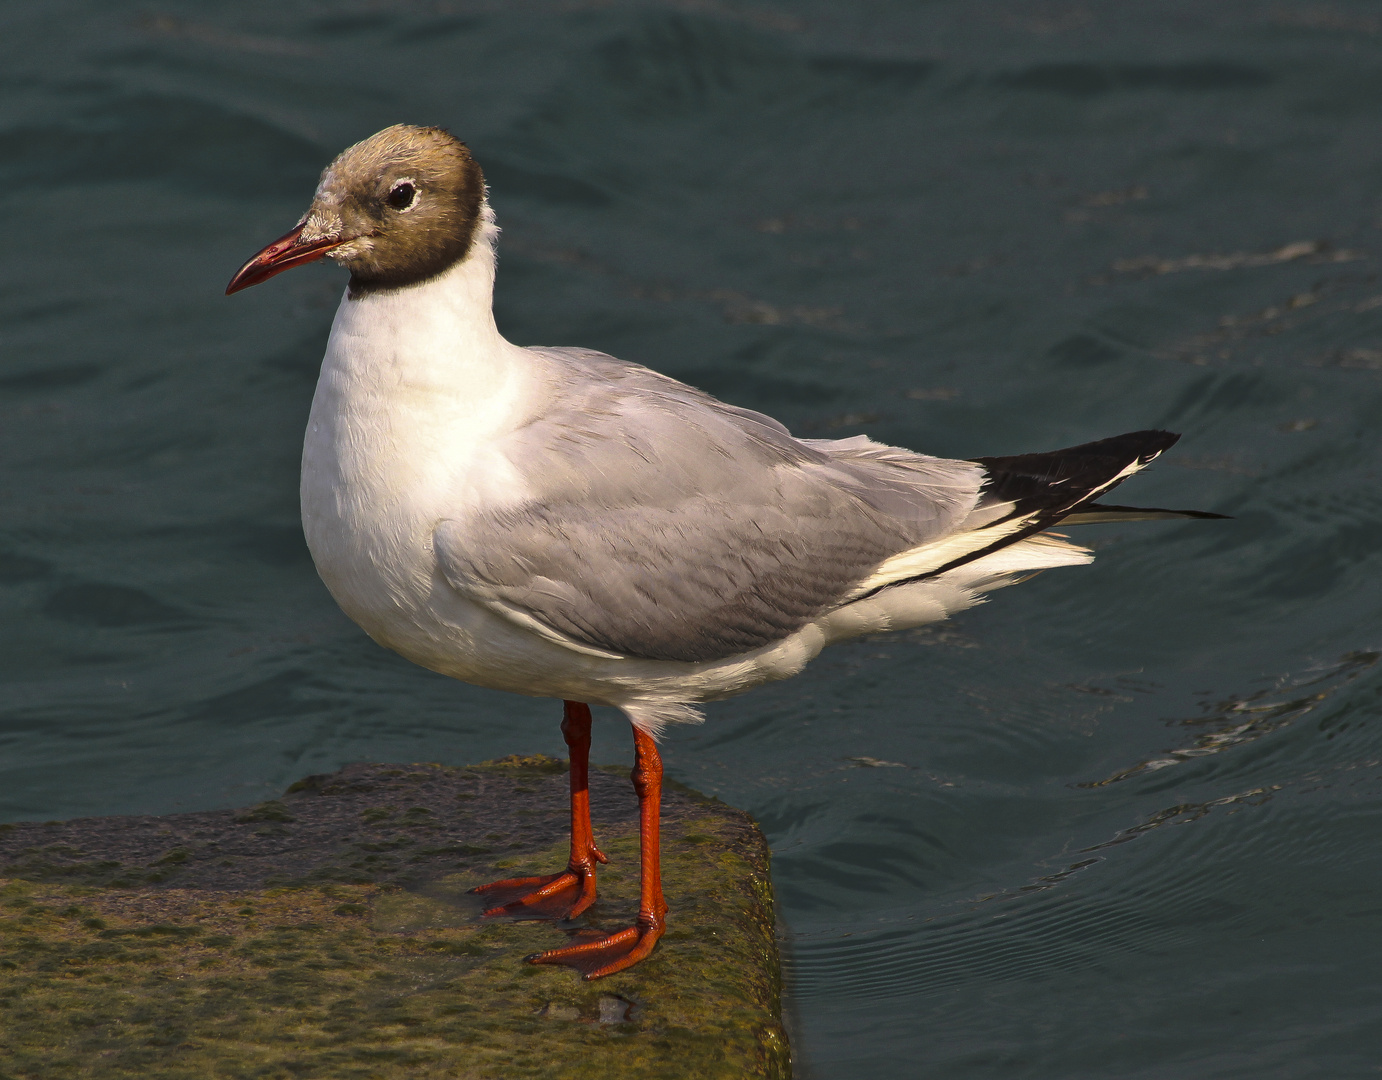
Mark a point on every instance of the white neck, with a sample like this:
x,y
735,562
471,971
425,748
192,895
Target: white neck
x,y
437,332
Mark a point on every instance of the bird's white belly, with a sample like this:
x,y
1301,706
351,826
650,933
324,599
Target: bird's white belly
x,y
372,492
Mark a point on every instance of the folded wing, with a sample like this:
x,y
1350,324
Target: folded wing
x,y
667,525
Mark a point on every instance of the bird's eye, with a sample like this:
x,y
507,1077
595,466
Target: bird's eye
x,y
402,195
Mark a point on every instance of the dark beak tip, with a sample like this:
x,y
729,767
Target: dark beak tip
x,y
249,275
283,254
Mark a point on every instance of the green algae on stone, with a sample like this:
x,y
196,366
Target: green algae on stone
x,y
216,975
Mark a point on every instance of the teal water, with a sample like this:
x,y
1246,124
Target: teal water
x,y
1128,817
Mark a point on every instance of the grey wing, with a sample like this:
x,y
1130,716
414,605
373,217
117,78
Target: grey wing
x,y
667,525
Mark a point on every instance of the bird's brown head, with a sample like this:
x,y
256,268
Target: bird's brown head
x,y
396,209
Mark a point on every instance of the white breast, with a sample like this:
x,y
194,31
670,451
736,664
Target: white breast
x,y
415,385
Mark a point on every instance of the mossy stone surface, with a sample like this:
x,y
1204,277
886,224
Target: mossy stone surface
x,y
328,934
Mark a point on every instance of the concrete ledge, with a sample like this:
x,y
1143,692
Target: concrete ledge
x,y
328,934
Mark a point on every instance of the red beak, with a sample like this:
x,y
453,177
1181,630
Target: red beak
x,y
283,254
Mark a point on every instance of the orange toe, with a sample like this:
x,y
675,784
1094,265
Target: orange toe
x,y
555,896
597,957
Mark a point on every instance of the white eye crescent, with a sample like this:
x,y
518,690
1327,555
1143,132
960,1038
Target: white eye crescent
x,y
402,195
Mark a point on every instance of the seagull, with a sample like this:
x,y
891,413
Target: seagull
x,y
559,523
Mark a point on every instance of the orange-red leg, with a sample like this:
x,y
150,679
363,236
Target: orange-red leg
x,y
595,959
564,895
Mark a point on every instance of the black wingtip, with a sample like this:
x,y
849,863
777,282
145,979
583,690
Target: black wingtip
x,y
1048,489
1062,478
